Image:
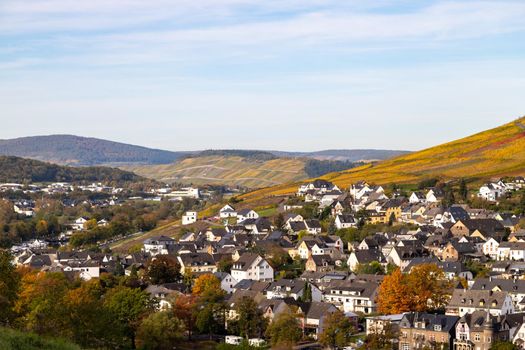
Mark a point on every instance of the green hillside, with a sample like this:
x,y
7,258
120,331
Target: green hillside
x,y
16,340
20,170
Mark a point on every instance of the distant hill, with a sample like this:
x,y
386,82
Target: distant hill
x,y
20,170
352,155
252,169
493,153
76,150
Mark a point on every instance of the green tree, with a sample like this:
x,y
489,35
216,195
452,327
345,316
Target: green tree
x,y
210,319
503,345
337,331
307,295
284,331
278,222
128,306
9,287
250,321
372,268
160,331
463,189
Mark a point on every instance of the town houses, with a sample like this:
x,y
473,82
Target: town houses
x,y
328,249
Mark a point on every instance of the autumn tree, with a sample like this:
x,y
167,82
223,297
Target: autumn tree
x,y
9,287
208,288
39,302
160,331
337,330
429,288
425,288
285,331
163,269
185,309
393,294
89,323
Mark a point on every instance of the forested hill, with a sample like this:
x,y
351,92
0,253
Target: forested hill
x,y
20,170
76,150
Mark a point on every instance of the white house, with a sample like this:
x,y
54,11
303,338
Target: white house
x,y
252,267
189,218
158,245
245,214
492,191
417,197
227,281
490,248
345,221
227,212
78,225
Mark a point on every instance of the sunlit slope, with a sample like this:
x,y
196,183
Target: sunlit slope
x,y
495,152
226,170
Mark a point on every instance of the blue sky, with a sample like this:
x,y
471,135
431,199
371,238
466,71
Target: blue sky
x,y
283,74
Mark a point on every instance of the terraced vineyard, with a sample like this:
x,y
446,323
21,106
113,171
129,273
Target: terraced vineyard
x,y
225,170
492,153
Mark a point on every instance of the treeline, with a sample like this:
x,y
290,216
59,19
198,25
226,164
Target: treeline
x,y
315,167
251,154
21,170
116,311
70,149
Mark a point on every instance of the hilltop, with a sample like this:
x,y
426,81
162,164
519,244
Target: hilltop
x,y
492,153
250,169
15,169
76,150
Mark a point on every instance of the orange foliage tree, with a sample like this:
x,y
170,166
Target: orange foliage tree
x,y
425,288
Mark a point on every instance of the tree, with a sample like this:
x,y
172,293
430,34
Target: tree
x,y
250,321
39,302
128,306
225,265
337,330
463,189
429,289
425,288
381,339
90,224
307,295
159,331
208,288
210,319
89,323
284,331
503,345
393,294
9,287
185,309
278,222
41,228
372,268
163,269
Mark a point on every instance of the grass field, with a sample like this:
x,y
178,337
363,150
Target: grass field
x,y
492,153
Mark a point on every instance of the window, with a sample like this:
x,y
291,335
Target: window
x,y
477,337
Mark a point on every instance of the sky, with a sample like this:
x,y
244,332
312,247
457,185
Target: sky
x,y
296,75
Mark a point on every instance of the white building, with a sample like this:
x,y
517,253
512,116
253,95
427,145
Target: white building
x,y
252,267
189,218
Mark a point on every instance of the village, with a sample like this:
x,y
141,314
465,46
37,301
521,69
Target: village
x,y
328,252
